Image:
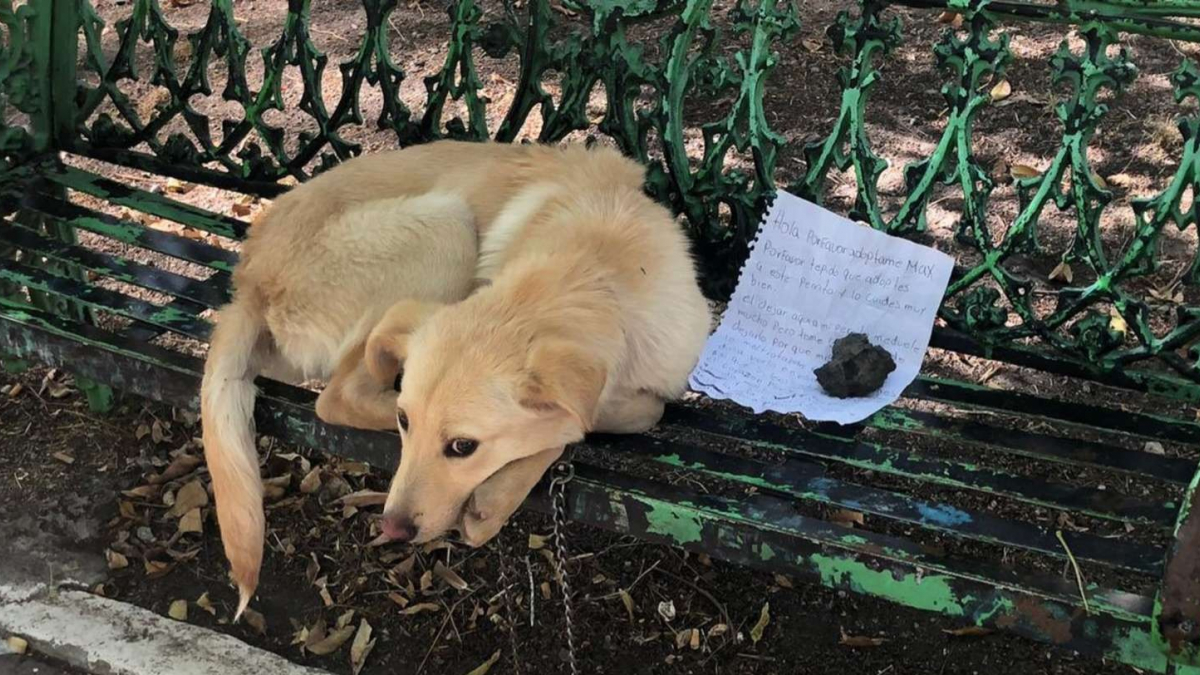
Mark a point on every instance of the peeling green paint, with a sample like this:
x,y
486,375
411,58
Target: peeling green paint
x,y
931,592
673,522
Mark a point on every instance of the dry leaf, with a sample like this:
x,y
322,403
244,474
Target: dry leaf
x,y
1099,181
1001,91
846,518
190,496
311,482
450,576
1063,271
783,581
952,19
355,468
178,610
363,498
178,187
627,600
718,630
969,631
361,647
332,642
16,390
191,522
812,44
681,638
205,604
421,607
860,641
160,432
19,645
764,618
180,467
666,609
275,488
398,599
142,492
1024,171
545,588
116,561
426,580
255,620
1154,448
157,568
64,458
537,541
240,210
484,667
1117,322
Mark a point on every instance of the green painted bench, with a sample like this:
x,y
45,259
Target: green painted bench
x,y
1064,517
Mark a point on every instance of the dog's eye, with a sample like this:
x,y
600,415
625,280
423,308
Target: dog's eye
x,y
402,420
461,447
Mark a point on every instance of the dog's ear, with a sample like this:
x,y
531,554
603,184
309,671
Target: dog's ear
x,y
563,379
387,345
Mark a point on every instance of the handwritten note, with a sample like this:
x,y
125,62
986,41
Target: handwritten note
x,y
811,278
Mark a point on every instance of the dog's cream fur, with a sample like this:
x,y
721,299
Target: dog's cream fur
x,y
588,316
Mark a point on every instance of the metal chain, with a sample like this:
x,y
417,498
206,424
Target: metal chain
x,y
561,474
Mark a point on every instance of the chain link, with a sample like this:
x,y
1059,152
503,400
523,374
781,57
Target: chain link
x,y
561,474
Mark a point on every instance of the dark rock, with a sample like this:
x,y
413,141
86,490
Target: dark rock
x,y
858,368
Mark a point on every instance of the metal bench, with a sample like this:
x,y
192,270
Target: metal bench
x,y
1065,518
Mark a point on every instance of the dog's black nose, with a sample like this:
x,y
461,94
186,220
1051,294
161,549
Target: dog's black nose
x,y
402,530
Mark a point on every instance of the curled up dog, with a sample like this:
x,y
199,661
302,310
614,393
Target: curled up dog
x,y
528,294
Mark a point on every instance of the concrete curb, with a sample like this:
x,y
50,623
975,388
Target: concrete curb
x,y
107,637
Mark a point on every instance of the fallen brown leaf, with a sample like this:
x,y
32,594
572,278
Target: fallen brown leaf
x,y
178,610
361,647
191,522
483,668
116,561
311,482
19,645
190,496
1024,171
255,620
64,458
398,599
537,541
1062,272
627,600
846,518
450,577
764,618
332,642
783,581
860,641
179,467
1001,91
363,498
421,607
205,604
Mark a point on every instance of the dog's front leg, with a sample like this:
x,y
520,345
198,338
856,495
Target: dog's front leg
x,y
355,398
498,497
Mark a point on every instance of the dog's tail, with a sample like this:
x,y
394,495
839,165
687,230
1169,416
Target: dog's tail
x,y
238,346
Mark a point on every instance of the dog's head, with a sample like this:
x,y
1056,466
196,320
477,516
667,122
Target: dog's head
x,y
479,394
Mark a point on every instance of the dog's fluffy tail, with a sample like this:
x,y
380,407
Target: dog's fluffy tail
x,y
227,410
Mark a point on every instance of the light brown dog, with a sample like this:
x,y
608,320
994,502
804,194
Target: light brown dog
x,y
589,317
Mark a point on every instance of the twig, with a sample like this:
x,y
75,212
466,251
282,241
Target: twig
x,y
437,638
630,586
532,601
1078,575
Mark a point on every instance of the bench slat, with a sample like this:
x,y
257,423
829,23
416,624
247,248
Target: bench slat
x,y
147,202
126,232
184,323
1036,445
1106,504
807,481
127,271
1161,427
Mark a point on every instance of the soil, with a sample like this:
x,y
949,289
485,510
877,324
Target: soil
x,y
453,631
320,567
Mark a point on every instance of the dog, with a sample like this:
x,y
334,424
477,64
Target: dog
x,y
527,294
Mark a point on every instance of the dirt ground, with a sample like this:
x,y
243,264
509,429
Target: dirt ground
x,y
451,610
319,569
